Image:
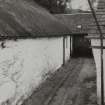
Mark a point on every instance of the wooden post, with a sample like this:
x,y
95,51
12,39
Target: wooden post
x,y
101,56
63,50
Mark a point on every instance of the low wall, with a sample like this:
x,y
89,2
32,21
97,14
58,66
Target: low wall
x,y
96,53
25,63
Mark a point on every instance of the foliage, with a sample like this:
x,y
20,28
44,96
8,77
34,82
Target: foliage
x,y
54,6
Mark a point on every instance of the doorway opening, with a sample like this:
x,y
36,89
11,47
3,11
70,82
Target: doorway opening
x,y
81,46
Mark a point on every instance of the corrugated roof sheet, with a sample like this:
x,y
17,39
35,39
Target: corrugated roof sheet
x,y
22,18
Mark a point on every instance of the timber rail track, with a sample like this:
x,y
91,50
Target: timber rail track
x,y
72,84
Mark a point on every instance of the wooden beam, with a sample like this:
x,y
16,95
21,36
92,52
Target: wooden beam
x,y
94,24
98,47
91,36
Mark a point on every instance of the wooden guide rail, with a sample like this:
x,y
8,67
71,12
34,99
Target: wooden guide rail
x,y
101,40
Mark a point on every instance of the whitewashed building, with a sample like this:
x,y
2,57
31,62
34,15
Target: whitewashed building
x,y
88,26
32,44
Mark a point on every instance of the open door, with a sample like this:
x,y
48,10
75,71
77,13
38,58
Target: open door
x,y
81,47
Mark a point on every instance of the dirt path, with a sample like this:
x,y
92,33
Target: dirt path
x,y
78,89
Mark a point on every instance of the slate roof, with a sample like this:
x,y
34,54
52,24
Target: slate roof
x,y
21,18
78,22
101,4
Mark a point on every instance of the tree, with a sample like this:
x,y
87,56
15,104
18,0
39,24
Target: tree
x,y
54,6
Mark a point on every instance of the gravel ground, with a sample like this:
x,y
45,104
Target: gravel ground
x,y
78,89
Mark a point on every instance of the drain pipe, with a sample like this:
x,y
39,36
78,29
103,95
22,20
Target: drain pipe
x,y
101,40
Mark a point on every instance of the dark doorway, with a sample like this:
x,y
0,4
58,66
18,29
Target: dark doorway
x,y
81,46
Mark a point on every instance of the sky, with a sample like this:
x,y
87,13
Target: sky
x,y
81,4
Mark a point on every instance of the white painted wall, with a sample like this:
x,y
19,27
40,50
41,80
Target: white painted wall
x,y
24,63
67,48
96,53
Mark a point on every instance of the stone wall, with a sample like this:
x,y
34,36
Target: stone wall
x,y
24,64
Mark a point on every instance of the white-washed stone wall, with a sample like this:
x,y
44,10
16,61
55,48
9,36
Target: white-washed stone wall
x,y
24,64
